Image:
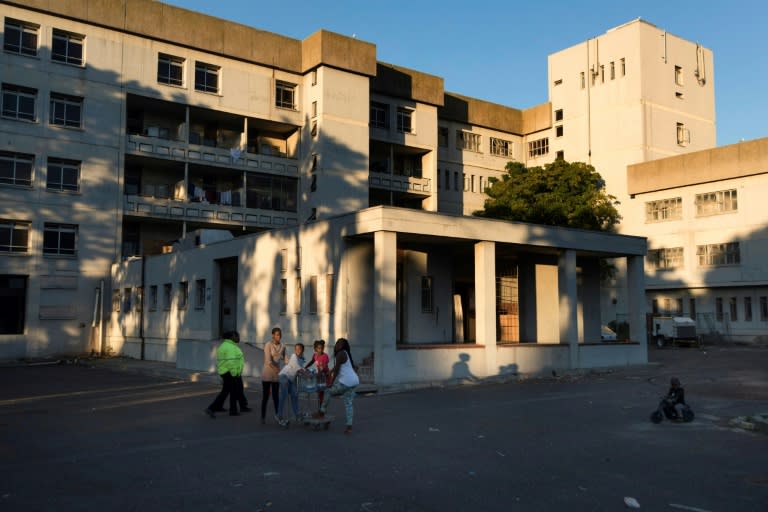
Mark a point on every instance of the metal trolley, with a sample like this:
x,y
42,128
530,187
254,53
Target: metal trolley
x,y
309,385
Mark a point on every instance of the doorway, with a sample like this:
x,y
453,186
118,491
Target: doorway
x,y
227,285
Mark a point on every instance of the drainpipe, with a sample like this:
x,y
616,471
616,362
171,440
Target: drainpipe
x,y
141,305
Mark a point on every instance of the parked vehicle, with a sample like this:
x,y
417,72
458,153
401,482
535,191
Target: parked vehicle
x,y
674,329
607,334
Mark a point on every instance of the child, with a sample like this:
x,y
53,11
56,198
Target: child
x,y
675,396
320,359
287,377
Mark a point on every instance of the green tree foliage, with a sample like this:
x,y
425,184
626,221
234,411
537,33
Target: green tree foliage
x,y
558,194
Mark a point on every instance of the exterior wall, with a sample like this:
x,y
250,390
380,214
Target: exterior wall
x,y
741,168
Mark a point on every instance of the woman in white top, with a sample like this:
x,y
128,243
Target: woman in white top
x,y
344,381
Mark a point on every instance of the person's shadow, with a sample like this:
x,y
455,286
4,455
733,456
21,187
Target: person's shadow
x,y
461,369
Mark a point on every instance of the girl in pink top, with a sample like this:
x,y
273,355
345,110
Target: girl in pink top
x,y
320,359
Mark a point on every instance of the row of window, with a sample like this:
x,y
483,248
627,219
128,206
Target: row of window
x,y
20,103
614,69
708,203
709,255
22,38
17,169
58,239
125,299
461,181
675,307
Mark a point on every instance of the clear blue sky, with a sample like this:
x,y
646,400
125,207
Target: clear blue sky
x,y
497,50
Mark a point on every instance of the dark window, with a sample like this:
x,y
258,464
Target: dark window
x,y
63,175
16,169
206,77
379,115
285,95
14,236
20,37
170,70
67,48
13,302
66,110
60,239
19,102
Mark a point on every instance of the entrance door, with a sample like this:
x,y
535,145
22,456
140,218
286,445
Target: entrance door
x,y
227,270
13,303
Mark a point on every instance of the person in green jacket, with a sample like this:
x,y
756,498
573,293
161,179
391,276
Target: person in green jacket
x,y
229,365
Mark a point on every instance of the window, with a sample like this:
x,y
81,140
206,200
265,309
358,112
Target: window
x,y
313,295
747,309
678,75
692,308
313,77
426,294
623,65
559,81
613,70
683,135
20,37
468,141
447,179
560,155
283,296
655,306
719,309
583,80
127,303
285,95
200,294
664,209
405,120
170,70
67,47
329,293
63,175
270,192
19,102
538,147
442,136
602,74
719,254
66,110
712,203
14,236
379,115
500,147
116,301
559,131
297,296
183,294
314,109
559,114
60,239
206,77
455,180
733,306
153,297
679,306
662,259
16,169
764,309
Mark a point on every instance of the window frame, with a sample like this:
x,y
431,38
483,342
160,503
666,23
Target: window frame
x,y
664,210
427,294
285,95
500,147
203,71
71,40
170,62
716,202
15,160
72,115
683,135
73,166
719,255
405,120
16,229
200,294
22,27
538,147
167,296
379,115
63,248
153,297
19,93
666,258
469,141
183,295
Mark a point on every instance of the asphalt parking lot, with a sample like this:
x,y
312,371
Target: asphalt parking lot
x,y
98,435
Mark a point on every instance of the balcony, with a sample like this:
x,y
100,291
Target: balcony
x,y
205,213
396,183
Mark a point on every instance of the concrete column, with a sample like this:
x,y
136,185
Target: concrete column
x,y
568,303
384,306
636,301
485,302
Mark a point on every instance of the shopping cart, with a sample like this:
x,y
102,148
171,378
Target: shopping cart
x,y
309,384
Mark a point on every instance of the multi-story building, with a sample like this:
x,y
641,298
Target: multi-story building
x,y
707,237
123,135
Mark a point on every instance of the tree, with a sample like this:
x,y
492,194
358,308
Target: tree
x,y
558,194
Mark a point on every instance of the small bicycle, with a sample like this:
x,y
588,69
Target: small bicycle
x,y
680,413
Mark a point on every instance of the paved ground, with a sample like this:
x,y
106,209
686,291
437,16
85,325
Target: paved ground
x,y
117,435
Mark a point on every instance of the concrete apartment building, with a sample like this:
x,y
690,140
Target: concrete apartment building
x,y
347,184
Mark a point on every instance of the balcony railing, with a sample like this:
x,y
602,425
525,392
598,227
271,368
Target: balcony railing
x,y
141,206
420,186
180,150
